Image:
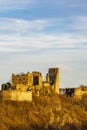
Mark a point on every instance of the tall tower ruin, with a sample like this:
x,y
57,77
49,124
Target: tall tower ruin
x,y
53,77
37,80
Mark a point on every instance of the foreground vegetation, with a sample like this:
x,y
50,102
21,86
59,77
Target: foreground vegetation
x,y
47,112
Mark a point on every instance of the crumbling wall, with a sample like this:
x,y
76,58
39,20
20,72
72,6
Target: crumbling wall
x,y
46,87
78,92
17,95
53,77
25,79
22,88
37,80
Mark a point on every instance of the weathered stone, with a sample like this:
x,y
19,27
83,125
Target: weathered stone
x,y
17,95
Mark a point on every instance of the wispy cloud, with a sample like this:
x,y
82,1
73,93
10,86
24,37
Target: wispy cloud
x,y
14,4
80,23
22,35
21,26
38,34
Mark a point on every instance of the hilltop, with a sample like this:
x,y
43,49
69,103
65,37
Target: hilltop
x,y
47,112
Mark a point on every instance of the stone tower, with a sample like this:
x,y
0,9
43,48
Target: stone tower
x,y
53,77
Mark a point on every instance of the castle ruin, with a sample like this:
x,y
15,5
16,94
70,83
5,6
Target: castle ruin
x,y
24,85
34,81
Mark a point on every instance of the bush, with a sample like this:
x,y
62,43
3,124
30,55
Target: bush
x,y
45,113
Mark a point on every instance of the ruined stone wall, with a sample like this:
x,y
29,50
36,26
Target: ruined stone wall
x,y
22,88
34,80
25,79
78,92
53,77
57,82
17,95
46,87
37,80
30,80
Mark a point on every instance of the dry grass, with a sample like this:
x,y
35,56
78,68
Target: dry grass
x,y
47,112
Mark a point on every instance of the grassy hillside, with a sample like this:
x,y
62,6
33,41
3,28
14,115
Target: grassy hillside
x,y
47,112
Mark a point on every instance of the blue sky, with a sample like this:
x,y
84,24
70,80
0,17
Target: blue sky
x,y
37,35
